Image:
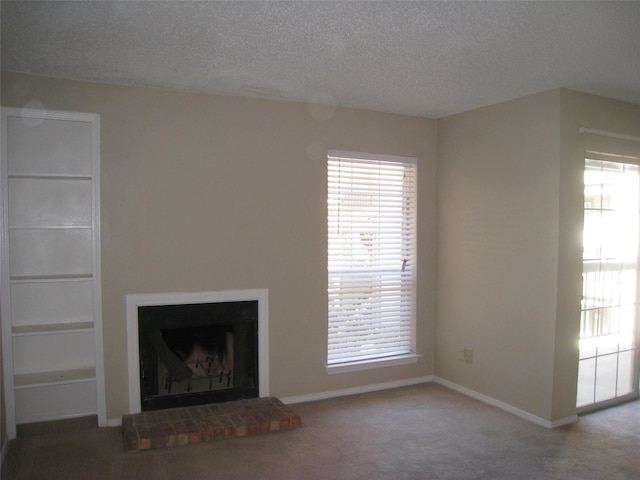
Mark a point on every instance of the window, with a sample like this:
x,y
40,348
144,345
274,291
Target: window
x,y
608,366
371,257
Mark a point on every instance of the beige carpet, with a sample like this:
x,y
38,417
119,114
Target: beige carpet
x,y
421,432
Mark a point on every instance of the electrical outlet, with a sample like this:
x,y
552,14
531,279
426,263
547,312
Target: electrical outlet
x,y
468,355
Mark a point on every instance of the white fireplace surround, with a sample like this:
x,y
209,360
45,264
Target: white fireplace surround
x,y
153,299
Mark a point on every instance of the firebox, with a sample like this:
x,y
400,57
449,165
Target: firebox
x,y
193,354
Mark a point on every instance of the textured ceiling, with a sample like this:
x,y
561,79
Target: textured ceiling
x,y
419,58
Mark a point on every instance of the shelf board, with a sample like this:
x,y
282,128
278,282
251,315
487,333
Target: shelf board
x,y
40,379
50,227
52,278
48,176
52,328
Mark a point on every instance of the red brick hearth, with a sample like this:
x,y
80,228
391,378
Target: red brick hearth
x,y
184,426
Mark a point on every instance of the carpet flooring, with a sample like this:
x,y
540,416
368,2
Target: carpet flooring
x,y
424,432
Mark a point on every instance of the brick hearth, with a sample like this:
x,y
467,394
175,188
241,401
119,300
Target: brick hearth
x,y
188,425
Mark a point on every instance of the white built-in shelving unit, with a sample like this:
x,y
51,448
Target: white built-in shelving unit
x,y
51,301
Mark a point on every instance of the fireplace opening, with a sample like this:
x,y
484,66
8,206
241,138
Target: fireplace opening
x,y
193,354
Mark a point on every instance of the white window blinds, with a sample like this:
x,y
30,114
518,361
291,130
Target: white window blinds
x,y
371,256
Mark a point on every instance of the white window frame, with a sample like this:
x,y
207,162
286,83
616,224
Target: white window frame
x,y
394,257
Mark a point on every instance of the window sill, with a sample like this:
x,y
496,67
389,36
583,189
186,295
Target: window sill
x,y
373,363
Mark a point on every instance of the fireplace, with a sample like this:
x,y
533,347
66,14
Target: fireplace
x,y
196,348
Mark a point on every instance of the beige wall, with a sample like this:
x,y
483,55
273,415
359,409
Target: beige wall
x,y
580,110
510,247
205,193
498,183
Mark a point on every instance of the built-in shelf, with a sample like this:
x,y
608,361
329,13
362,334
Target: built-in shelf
x,y
52,328
51,315
40,379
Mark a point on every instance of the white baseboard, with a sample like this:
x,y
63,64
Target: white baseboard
x,y
117,422
505,406
564,421
114,422
310,397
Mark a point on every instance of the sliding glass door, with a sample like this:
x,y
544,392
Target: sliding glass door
x,y
609,359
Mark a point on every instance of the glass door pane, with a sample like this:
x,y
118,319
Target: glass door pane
x,y
608,366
